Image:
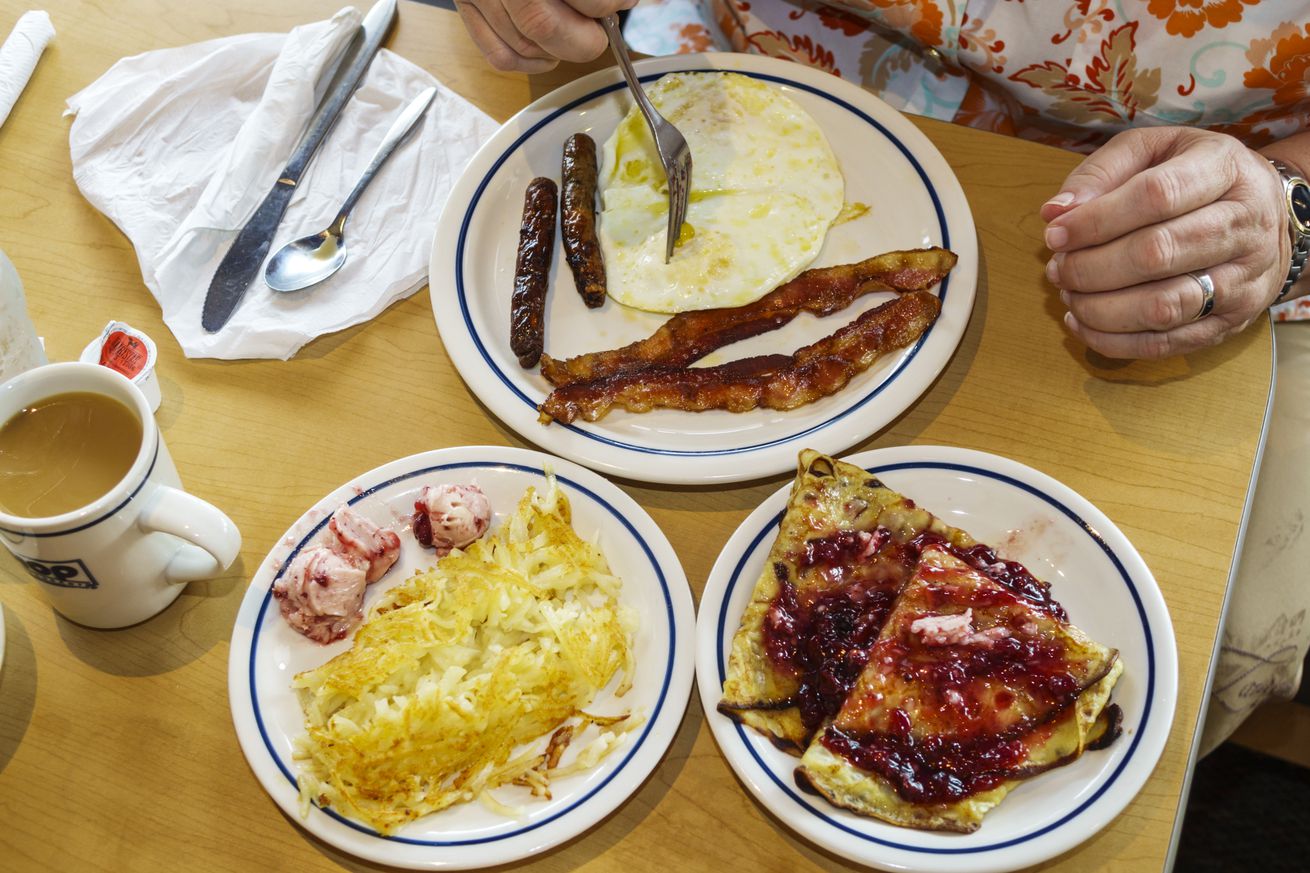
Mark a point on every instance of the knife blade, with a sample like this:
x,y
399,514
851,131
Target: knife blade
x,y
242,262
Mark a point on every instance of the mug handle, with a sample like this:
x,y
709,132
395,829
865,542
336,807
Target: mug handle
x,y
183,515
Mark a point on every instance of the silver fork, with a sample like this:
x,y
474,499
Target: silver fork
x,y
669,143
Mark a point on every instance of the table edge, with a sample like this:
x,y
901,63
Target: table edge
x,y
1198,729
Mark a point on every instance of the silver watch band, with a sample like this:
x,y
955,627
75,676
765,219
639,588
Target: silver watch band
x,y
1300,252
1300,240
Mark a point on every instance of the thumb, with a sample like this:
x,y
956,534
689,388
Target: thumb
x,y
1114,163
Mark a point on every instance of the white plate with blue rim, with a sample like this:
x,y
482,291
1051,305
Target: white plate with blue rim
x,y
266,653
914,201
1094,571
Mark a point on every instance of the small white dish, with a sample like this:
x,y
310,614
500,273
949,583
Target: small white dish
x,y
914,201
266,653
1094,572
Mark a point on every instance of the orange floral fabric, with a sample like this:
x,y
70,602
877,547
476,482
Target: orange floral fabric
x,y
1111,86
1281,63
1188,17
1069,73
1065,72
921,20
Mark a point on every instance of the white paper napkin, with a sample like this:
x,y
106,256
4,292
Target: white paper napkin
x,y
179,146
19,54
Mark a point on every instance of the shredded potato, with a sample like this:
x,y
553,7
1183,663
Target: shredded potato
x,y
458,669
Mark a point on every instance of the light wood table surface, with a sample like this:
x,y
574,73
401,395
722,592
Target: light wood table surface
x,y
117,751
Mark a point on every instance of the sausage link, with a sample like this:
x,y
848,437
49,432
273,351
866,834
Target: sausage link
x,y
527,312
577,219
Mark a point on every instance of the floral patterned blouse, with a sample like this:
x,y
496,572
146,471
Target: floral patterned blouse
x,y
1069,73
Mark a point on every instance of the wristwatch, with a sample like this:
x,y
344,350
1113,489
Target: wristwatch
x,y
1296,197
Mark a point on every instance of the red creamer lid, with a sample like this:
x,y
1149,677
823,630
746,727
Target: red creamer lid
x,y
125,353
128,351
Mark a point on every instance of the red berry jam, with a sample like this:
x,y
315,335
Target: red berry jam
x,y
841,549
1034,665
824,642
1010,574
823,636
933,770
422,525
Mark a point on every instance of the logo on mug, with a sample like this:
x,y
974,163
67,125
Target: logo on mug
x,y
65,574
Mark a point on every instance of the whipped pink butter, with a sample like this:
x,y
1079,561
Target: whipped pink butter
x,y
321,595
450,516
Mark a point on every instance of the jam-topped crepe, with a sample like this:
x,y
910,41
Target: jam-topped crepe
x,y
923,676
969,688
833,573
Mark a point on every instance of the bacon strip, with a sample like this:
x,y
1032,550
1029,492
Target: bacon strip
x,y
690,336
771,381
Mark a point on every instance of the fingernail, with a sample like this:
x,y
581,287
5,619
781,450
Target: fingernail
x,y
1056,237
1064,296
1053,269
1064,198
1071,322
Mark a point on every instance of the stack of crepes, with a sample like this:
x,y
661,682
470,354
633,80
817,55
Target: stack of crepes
x,y
919,676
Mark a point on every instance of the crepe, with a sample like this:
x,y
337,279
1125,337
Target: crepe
x,y
943,726
921,676
835,511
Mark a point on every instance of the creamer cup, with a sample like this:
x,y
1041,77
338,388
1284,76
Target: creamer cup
x,y
129,351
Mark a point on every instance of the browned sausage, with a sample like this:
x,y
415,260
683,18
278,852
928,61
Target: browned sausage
x,y
527,310
577,219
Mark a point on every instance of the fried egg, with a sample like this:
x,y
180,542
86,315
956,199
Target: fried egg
x,y
765,187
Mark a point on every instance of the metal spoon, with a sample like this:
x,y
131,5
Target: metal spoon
x,y
312,259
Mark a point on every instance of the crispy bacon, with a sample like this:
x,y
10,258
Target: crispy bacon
x,y
771,381
690,336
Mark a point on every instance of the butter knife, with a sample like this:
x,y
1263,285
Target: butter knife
x,y
243,261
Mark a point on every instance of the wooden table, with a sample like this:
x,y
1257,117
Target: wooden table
x,y
116,748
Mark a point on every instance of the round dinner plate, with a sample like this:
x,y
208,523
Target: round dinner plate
x,y
1094,572
266,653
914,201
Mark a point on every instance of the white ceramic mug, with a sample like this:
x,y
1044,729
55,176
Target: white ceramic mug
x,y
125,556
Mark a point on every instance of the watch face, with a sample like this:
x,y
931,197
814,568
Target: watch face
x,y
1298,200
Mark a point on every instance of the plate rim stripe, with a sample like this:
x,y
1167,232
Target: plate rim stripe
x,y
1073,516
631,752
472,333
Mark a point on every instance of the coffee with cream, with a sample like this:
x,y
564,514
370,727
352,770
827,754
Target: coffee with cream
x,y
65,451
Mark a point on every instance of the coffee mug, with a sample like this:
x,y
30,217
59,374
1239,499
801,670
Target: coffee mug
x,y
126,555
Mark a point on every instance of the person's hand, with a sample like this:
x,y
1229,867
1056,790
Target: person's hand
x,y
1143,211
532,36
